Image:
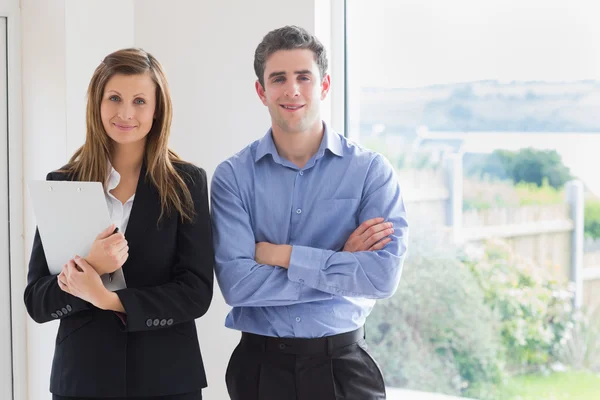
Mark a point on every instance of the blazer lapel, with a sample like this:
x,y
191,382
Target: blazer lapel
x,y
143,219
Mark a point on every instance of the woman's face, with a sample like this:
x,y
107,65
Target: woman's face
x,y
128,107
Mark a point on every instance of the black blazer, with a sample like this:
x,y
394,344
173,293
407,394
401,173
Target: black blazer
x,y
169,275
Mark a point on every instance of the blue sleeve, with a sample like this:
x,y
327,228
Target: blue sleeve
x,y
369,274
242,280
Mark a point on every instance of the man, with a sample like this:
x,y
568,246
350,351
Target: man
x,y
302,252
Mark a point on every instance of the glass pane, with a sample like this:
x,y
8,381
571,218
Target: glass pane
x,y
488,111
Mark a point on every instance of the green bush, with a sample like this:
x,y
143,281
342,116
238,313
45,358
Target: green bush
x,y
534,309
436,333
592,219
580,346
460,322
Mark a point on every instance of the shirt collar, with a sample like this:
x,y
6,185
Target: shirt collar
x,y
331,141
113,180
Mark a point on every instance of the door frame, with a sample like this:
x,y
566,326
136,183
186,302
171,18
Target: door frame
x,y
10,9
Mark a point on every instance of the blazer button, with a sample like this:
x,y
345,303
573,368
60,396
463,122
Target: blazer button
x,y
59,313
163,322
69,309
156,322
170,321
64,311
149,322
54,315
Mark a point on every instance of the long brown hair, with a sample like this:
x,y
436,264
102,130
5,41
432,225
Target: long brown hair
x,y
90,161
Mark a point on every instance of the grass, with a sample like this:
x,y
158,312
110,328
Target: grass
x,y
482,194
557,386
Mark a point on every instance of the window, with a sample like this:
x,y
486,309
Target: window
x,y
487,110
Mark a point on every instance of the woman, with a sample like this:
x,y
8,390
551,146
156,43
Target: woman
x,y
141,341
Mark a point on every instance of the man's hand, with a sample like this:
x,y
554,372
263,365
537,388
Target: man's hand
x,y
369,236
273,254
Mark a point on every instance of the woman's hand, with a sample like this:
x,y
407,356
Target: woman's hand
x,y
79,279
109,251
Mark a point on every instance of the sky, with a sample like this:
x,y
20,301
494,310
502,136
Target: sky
x,y
415,43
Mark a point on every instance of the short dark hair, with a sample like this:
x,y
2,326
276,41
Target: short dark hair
x,y
288,38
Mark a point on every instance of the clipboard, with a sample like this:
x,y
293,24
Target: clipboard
x,y
70,215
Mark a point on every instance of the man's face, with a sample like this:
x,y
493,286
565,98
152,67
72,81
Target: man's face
x,y
293,90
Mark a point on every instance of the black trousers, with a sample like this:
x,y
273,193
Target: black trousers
x,y
330,368
186,396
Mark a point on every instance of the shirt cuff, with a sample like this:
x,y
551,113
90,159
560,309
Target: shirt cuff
x,y
305,265
122,317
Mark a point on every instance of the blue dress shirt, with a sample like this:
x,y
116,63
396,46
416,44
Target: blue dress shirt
x,y
258,196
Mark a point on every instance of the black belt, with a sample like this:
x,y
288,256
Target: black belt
x,y
323,345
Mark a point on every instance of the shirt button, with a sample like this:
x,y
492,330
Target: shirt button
x,y
301,173
298,211
301,280
298,319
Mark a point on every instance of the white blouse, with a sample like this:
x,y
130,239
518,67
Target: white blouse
x,y
119,212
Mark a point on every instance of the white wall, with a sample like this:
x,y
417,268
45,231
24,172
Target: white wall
x,y
207,50
43,142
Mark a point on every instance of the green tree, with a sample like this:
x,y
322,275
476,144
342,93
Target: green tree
x,y
526,165
592,219
533,166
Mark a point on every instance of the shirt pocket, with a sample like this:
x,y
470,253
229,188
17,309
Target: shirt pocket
x,y
334,221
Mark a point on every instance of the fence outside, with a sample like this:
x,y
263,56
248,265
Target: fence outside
x,y
552,236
